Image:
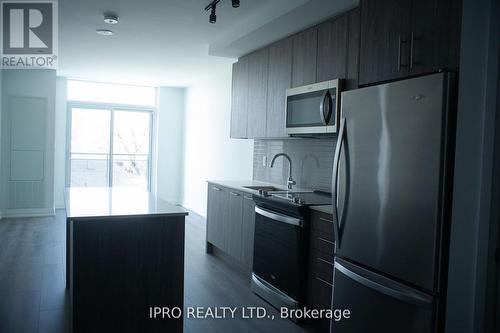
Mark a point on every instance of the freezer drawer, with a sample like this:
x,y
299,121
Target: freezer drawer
x,y
378,304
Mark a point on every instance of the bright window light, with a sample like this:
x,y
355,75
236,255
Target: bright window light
x,y
97,92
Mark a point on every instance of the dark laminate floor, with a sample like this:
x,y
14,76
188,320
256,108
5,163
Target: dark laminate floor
x,y
33,298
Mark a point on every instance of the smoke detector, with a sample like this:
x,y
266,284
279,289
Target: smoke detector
x,y
111,19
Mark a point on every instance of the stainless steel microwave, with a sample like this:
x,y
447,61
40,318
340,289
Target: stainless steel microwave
x,y
313,109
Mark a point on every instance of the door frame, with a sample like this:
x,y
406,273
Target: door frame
x,y
113,107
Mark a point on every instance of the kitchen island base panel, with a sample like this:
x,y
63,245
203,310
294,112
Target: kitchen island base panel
x,y
120,267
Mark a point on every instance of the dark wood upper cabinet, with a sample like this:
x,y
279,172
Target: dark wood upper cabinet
x,y
401,38
385,33
338,49
258,63
332,49
279,79
304,49
239,99
435,28
353,35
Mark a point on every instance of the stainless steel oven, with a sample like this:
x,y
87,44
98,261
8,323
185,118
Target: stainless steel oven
x,y
313,109
280,261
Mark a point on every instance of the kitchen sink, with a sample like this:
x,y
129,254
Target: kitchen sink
x,y
263,188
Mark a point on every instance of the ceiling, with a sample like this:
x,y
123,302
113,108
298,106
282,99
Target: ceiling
x,y
170,42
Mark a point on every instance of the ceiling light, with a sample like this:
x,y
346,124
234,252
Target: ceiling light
x,y
111,19
213,17
236,3
104,32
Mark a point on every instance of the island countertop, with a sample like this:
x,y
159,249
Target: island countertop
x,y
88,202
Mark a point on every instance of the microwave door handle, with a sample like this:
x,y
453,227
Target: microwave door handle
x,y
325,107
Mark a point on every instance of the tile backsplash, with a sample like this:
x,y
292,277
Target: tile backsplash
x,y
312,162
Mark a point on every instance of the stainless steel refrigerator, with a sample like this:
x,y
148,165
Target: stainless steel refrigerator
x,y
391,188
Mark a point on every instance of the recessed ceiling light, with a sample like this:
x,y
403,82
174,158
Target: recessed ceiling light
x,y
111,19
104,32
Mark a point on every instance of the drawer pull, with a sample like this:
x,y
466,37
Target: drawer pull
x,y
235,194
216,188
328,283
326,220
326,240
324,261
248,198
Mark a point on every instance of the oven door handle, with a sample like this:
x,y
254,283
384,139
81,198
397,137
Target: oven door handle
x,y
279,217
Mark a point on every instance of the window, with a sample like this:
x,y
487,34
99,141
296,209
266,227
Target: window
x,y
110,144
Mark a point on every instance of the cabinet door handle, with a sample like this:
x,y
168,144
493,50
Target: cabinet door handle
x,y
248,198
325,261
400,43
325,220
320,279
325,240
412,50
216,188
235,194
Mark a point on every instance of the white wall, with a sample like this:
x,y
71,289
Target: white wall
x,y
28,175
209,152
60,141
170,143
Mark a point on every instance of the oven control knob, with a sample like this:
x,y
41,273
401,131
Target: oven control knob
x,y
264,193
296,200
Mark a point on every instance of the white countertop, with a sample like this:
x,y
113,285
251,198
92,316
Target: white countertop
x,y
240,185
107,202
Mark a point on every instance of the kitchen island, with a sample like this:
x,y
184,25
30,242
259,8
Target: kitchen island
x,y
124,255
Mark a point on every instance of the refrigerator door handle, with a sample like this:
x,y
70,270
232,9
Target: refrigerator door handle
x,y
336,162
397,291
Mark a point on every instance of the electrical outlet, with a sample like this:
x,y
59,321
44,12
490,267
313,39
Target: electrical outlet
x,y
264,160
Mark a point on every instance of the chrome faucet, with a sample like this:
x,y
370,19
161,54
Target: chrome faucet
x,y
290,182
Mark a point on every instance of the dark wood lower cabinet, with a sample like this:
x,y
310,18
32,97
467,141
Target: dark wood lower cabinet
x,y
320,271
234,223
218,199
230,224
248,231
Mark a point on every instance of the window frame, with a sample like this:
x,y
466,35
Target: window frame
x,y
112,107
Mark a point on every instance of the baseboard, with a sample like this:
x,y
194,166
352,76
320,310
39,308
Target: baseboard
x,y
30,212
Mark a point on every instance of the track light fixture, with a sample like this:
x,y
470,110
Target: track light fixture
x,y
212,6
213,17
